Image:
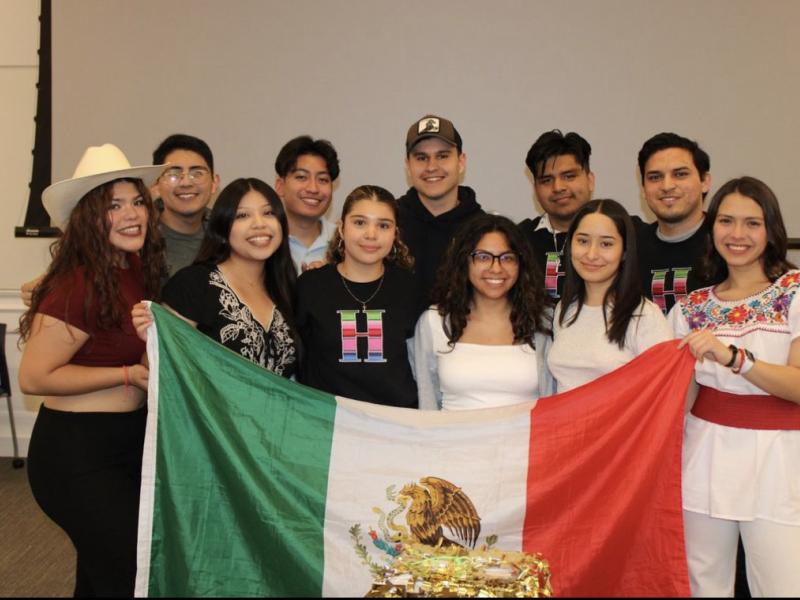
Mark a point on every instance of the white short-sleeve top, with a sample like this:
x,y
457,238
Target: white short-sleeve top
x,y
469,376
764,323
581,351
731,472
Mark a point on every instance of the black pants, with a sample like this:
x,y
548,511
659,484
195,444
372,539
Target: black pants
x,y
85,471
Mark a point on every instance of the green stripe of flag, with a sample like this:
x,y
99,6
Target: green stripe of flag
x,y
240,487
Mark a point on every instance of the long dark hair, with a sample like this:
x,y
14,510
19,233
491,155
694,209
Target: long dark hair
x,y
399,254
453,292
774,257
85,245
625,291
279,271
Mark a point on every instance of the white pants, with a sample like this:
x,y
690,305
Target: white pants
x,y
772,556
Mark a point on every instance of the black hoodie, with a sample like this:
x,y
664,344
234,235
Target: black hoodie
x,y
428,236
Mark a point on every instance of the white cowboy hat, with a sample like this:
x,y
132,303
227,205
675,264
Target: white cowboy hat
x,y
98,165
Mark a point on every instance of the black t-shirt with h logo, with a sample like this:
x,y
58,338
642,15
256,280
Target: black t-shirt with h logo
x,y
355,351
670,270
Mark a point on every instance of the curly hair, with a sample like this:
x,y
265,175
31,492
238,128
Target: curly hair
x,y
84,244
453,292
399,255
774,257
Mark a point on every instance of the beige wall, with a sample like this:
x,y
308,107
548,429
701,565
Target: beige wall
x,y
247,75
19,42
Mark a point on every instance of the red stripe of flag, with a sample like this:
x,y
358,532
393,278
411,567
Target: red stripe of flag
x,y
604,481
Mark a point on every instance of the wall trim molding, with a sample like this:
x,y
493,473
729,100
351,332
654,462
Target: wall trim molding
x,y
25,407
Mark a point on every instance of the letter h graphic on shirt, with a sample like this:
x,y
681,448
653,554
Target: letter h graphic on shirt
x,y
350,335
552,271
658,290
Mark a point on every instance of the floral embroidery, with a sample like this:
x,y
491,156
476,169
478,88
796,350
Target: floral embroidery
x,y
702,310
782,303
790,279
699,296
273,349
696,319
738,314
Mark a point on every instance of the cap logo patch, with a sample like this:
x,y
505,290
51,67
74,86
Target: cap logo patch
x,y
429,125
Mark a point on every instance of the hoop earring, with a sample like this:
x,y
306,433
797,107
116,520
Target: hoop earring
x,y
395,250
340,246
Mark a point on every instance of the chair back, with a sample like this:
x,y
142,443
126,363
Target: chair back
x,y
5,384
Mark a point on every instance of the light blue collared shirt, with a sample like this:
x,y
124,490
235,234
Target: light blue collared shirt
x,y
316,251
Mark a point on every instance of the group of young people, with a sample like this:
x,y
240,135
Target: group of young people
x,y
421,302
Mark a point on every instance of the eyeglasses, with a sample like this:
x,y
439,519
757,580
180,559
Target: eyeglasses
x,y
482,258
195,175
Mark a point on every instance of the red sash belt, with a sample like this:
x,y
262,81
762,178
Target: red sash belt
x,y
746,412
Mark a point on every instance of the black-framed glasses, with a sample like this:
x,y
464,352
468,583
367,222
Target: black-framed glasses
x,y
486,259
195,175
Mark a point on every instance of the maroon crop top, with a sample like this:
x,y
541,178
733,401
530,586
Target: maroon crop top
x,y
104,348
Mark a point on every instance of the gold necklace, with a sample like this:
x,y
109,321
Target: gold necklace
x,y
363,303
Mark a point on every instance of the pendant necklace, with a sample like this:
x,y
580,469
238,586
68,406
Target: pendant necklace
x,y
363,303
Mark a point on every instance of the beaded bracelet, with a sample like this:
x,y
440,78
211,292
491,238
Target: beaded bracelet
x,y
735,352
748,362
741,357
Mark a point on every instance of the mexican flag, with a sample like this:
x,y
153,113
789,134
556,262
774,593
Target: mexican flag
x,y
253,485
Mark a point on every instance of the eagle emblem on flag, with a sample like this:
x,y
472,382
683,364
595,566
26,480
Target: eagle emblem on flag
x,y
437,513
436,504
